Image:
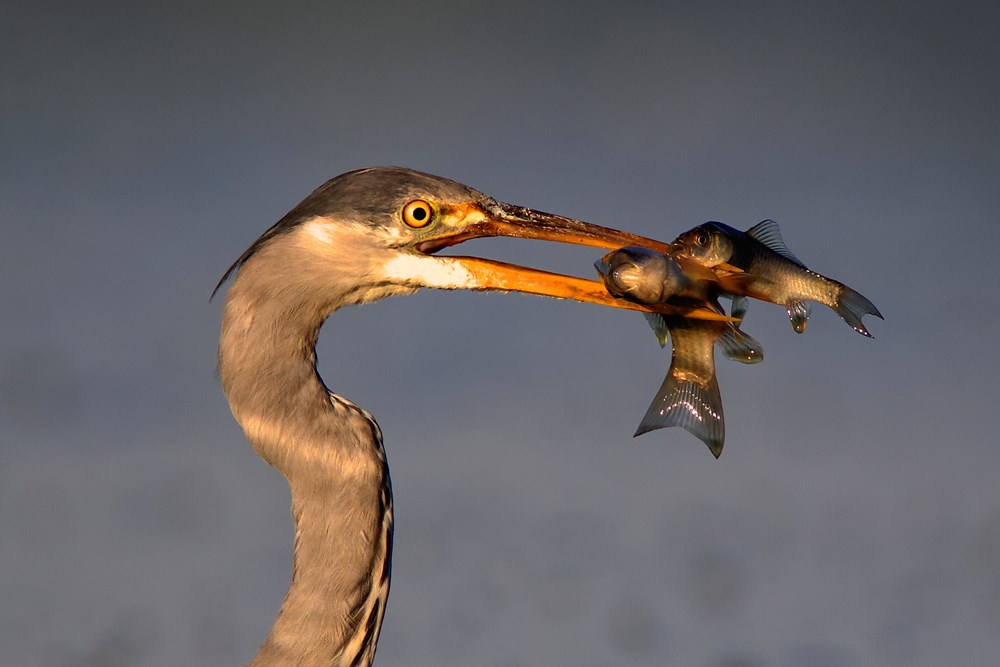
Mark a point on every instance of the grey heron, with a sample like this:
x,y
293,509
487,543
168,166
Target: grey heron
x,y
362,236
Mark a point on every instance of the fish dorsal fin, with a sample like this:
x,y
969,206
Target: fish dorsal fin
x,y
768,233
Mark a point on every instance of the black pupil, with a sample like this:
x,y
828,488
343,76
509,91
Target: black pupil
x,y
702,239
419,213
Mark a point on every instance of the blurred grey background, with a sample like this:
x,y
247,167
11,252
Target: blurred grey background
x,y
854,518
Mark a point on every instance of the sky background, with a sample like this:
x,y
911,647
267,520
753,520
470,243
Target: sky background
x,y
854,517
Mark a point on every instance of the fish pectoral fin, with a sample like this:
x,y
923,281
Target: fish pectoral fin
x,y
798,315
736,283
726,266
768,233
739,309
659,326
694,406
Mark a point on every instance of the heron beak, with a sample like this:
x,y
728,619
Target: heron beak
x,y
492,218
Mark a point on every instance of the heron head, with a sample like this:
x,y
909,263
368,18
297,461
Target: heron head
x,y
372,233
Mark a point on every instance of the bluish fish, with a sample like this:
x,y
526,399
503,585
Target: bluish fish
x,y
765,269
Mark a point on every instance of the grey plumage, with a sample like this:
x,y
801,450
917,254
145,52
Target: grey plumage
x,y
349,242
331,453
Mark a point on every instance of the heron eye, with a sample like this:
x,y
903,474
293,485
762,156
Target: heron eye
x,y
417,214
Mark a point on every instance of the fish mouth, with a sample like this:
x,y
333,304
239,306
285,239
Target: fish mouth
x,y
490,218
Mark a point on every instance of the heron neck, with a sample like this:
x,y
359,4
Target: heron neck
x,y
267,365
331,453
332,613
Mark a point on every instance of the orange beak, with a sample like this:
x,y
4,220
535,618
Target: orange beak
x,y
492,218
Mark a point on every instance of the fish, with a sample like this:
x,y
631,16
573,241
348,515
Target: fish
x,y
645,276
757,264
689,396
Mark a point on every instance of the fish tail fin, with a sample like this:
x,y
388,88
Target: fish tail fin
x,y
740,346
852,306
693,406
798,315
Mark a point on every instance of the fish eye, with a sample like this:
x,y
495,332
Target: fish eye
x,y
701,239
418,213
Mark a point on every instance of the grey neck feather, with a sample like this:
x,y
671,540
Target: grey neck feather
x,y
331,453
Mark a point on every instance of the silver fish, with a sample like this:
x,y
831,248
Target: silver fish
x,y
689,396
764,268
645,276
642,275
